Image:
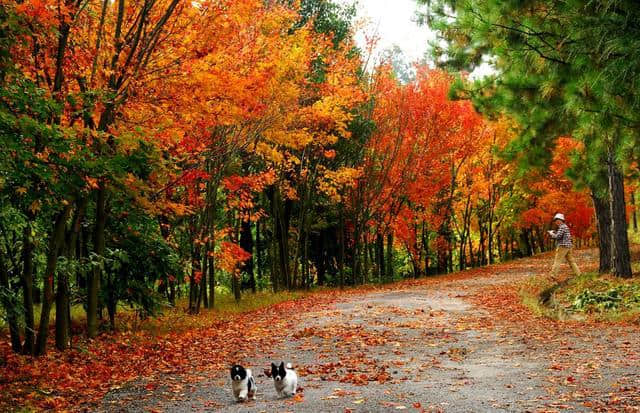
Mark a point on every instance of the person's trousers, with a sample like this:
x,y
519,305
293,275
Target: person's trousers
x,y
562,254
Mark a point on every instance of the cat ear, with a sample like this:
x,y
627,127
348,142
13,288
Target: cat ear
x,y
282,364
273,365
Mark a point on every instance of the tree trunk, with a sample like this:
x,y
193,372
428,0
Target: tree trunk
x,y
112,301
540,237
635,212
192,293
527,243
258,260
321,255
620,241
365,250
63,309
389,265
425,245
490,239
272,256
10,308
355,259
212,200
203,281
55,243
308,281
341,260
246,243
281,225
380,256
196,269
93,289
603,220
236,287
27,291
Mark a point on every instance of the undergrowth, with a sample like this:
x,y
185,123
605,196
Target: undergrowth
x,y
590,296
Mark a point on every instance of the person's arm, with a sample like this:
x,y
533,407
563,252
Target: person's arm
x,y
561,232
553,234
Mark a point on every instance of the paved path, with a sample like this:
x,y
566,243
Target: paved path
x,y
432,346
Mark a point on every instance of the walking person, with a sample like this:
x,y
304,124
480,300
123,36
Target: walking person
x,y
564,247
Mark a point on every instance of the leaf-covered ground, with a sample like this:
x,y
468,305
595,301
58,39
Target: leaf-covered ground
x,y
457,343
462,342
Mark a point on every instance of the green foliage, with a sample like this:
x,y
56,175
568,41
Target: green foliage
x,y
328,18
605,300
561,68
604,297
136,261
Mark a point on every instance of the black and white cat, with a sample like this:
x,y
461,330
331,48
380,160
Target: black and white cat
x,y
285,379
242,383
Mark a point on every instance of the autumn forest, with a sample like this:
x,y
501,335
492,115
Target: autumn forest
x,y
166,160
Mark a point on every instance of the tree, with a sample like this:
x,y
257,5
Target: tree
x,y
562,69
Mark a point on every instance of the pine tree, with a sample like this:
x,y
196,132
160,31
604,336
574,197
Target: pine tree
x,y
562,68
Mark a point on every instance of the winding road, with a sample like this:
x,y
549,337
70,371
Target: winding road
x,y
455,343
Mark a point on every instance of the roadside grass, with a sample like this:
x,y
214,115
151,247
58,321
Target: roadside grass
x,y
176,318
225,306
530,291
588,297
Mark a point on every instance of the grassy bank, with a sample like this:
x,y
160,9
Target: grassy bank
x,y
588,297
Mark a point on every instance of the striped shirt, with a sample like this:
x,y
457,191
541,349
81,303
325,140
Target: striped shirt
x,y
562,236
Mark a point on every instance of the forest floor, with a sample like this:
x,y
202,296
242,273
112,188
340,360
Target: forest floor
x,y
462,342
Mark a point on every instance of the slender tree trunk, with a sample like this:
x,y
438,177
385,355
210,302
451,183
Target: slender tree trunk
x,y
635,212
355,267
389,265
380,256
365,250
63,309
197,269
10,308
321,254
305,260
425,245
490,239
510,247
93,289
192,291
341,239
481,247
236,287
527,243
27,291
111,299
246,243
258,259
203,281
620,241
540,238
272,256
212,199
55,244
282,236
